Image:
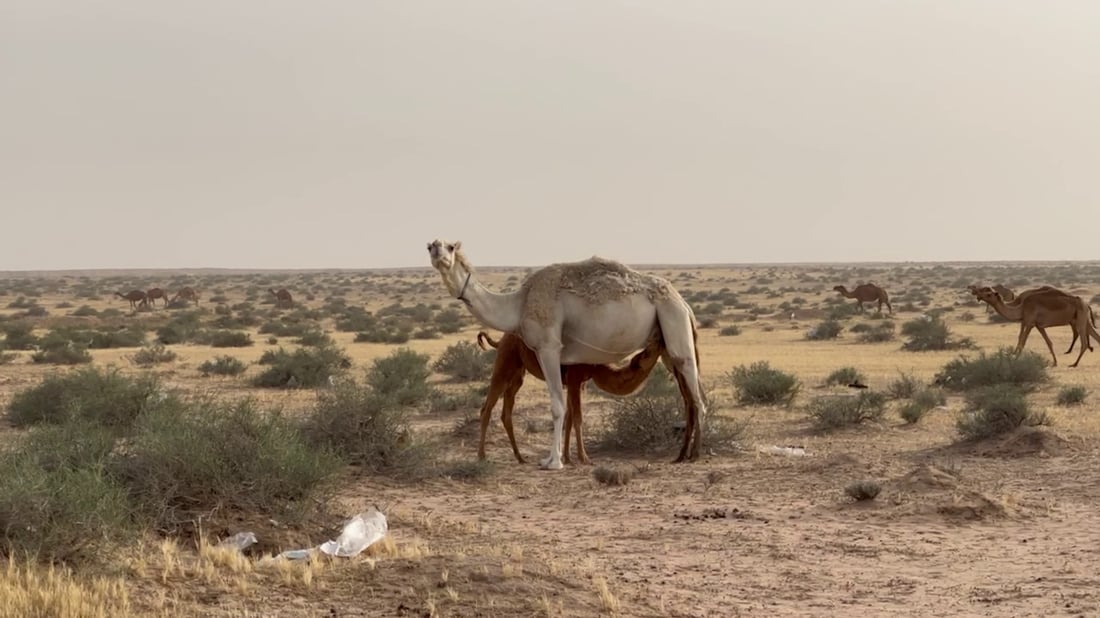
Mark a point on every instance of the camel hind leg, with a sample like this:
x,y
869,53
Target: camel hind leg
x,y
678,330
506,415
1050,345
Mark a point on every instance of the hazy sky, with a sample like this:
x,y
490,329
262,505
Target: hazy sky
x,y
274,134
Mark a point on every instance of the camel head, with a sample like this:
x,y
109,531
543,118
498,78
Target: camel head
x,y
840,288
444,254
988,295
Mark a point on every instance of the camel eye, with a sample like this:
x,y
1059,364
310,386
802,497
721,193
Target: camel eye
x,y
450,247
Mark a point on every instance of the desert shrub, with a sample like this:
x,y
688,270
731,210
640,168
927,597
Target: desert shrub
x,y
930,333
995,410
7,358
401,377
612,476
730,331
923,401
302,368
36,311
469,398
287,328
844,376
230,339
222,366
427,332
85,311
1072,395
467,469
182,328
153,355
760,384
863,490
19,336
62,352
73,444
387,334
111,338
837,411
829,329
884,331
1002,367
215,456
64,513
102,396
449,321
904,387
465,362
315,338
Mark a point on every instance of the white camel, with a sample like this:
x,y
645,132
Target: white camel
x,y
596,311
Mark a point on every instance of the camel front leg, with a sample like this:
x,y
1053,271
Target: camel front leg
x,y
574,387
550,362
1025,330
506,415
486,413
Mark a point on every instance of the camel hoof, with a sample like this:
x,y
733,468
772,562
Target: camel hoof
x,y
551,463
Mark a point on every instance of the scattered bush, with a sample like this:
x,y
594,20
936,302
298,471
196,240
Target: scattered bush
x,y
401,377
448,321
230,339
829,329
759,384
995,410
85,311
104,397
1003,367
465,362
879,333
904,387
315,338
922,403
153,355
62,353
844,376
1072,395
219,456
222,366
863,490
931,333
302,368
612,476
836,411
730,331
7,358
19,336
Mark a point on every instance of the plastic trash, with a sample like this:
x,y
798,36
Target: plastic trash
x,y
790,451
359,533
239,541
295,554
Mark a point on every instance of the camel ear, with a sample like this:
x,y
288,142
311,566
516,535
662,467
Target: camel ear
x,y
458,245
429,246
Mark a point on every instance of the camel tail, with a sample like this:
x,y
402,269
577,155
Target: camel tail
x,y
482,334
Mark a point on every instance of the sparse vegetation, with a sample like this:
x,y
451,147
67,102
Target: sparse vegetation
x,y
465,362
1072,395
862,491
931,333
153,355
994,410
612,476
845,376
401,377
1002,367
904,387
223,366
302,368
102,396
760,384
829,329
838,411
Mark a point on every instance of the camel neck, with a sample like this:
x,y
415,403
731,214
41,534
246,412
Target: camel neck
x,y
493,309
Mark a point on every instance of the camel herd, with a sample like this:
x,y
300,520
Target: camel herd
x,y
148,298
573,322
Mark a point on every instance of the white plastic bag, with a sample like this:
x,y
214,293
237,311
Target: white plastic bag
x,y
359,533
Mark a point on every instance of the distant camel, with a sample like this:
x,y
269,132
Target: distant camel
x,y
186,294
134,296
1019,298
514,359
152,295
1043,309
867,293
282,297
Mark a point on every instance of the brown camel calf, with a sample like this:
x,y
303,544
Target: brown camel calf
x,y
514,359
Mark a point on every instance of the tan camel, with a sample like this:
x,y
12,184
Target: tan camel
x,y
153,294
1017,299
134,296
282,297
1042,310
514,359
595,312
187,295
866,293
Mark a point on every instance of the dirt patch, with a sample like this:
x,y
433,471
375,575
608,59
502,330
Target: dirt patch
x,y
718,513
933,491
1025,442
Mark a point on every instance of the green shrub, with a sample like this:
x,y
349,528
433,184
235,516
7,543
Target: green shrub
x,y
730,331
923,401
222,366
223,458
1072,395
837,411
19,336
995,410
904,387
448,321
880,333
829,329
759,384
863,490
364,428
302,368
85,311
105,397
73,445
844,376
401,377
316,339
183,328
230,339
1002,367
63,514
931,333
465,362
469,398
63,353
153,355
7,358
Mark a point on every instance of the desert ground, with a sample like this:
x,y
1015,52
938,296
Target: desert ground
x,y
1005,526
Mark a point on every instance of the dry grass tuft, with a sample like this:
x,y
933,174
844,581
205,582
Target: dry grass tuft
x,y
33,590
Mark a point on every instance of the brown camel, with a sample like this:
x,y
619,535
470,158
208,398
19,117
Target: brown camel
x,y
187,294
867,293
1007,295
1043,309
1018,298
134,296
152,295
514,359
282,297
